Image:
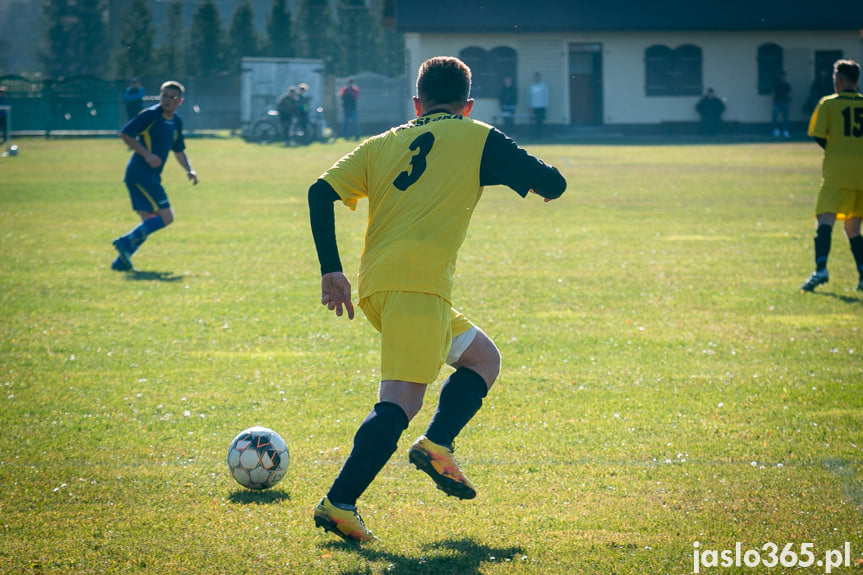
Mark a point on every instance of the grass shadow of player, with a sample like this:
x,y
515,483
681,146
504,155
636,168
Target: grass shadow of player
x,y
463,556
140,275
262,497
843,298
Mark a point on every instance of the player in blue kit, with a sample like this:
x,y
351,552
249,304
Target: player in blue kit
x,y
152,134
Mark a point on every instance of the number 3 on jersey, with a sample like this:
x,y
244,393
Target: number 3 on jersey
x,y
423,143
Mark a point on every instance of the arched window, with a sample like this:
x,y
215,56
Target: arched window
x,y
656,63
673,72
688,68
489,68
770,63
505,63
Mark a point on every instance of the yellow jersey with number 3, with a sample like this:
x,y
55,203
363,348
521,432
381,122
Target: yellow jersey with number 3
x,y
838,118
422,180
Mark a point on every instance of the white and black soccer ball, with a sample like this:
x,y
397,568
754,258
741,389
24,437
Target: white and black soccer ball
x,y
258,458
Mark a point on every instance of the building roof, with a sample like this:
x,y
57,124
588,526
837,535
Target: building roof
x,y
463,16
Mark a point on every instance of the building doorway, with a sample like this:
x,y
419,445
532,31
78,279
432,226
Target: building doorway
x,y
585,84
822,83
824,60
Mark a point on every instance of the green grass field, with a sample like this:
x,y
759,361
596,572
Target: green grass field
x,y
664,382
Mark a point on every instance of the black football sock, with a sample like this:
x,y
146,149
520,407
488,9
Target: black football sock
x,y
374,443
460,398
822,246
857,250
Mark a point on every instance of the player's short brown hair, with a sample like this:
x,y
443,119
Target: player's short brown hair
x,y
848,69
443,80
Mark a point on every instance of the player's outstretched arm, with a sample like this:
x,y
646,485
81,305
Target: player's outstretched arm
x,y
504,162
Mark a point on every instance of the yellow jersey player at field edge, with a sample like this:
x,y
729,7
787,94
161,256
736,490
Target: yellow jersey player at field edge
x,y
837,126
423,180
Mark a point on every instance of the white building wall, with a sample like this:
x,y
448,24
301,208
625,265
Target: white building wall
x,y
534,55
729,66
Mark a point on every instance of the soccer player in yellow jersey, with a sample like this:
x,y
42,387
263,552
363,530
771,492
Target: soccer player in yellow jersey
x,y
837,126
422,180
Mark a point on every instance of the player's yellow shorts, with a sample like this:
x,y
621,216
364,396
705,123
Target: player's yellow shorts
x,y
416,329
846,203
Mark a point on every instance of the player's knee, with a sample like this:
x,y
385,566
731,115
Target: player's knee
x,y
167,217
411,410
493,364
482,356
408,396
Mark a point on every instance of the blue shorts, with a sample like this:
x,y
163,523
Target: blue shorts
x,y
147,194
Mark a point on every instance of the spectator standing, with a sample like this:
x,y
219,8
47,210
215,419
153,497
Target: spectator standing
x,y
287,106
303,112
133,97
538,103
508,98
711,109
350,95
781,102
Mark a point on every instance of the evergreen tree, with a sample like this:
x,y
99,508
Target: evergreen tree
x,y
76,38
169,61
136,51
242,36
315,31
391,45
357,45
56,54
90,37
205,56
279,31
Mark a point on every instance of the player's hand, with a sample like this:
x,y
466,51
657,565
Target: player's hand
x,y
546,200
153,160
193,175
336,293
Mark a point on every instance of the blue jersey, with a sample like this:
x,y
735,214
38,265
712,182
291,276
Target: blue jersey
x,y
158,135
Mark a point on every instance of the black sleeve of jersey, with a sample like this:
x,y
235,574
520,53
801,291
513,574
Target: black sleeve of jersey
x,y
504,162
322,215
820,141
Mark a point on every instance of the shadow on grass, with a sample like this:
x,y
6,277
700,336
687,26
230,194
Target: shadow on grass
x,y
450,556
265,497
843,298
138,275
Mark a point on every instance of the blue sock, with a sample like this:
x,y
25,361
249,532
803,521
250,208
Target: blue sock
x,y
139,234
374,443
460,398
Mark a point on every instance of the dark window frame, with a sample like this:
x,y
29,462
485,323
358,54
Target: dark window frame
x,y
673,72
489,68
770,63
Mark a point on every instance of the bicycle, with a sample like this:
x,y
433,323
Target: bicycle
x,y
269,129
